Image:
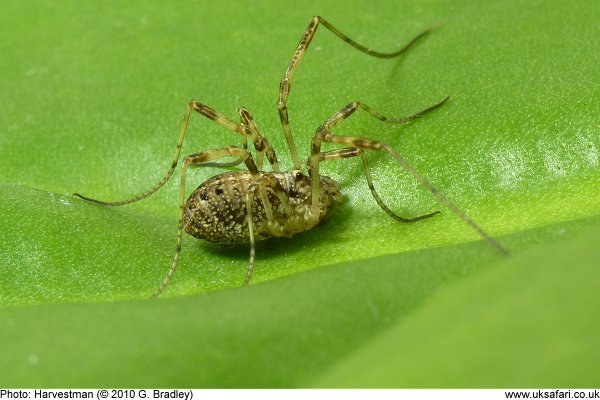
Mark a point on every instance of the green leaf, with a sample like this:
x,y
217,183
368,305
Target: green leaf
x,y
527,323
93,96
292,331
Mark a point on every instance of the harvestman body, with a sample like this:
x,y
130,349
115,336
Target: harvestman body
x,y
248,206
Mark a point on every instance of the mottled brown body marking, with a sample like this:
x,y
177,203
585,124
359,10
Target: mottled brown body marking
x,y
216,210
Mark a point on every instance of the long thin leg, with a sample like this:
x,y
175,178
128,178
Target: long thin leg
x,y
249,129
381,203
261,143
323,134
268,180
284,86
161,183
224,164
249,217
348,152
347,111
240,128
338,118
180,228
200,159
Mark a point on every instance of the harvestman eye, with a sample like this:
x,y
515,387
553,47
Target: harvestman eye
x,y
243,207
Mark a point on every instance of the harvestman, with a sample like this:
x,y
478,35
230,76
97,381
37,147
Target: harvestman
x,y
253,205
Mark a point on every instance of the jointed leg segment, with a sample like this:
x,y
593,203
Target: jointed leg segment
x,y
381,203
249,198
284,86
347,111
360,145
246,128
324,134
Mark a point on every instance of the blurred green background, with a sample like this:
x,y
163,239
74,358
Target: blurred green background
x,y
93,94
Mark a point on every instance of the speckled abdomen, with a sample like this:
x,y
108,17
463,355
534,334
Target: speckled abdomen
x,y
216,211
